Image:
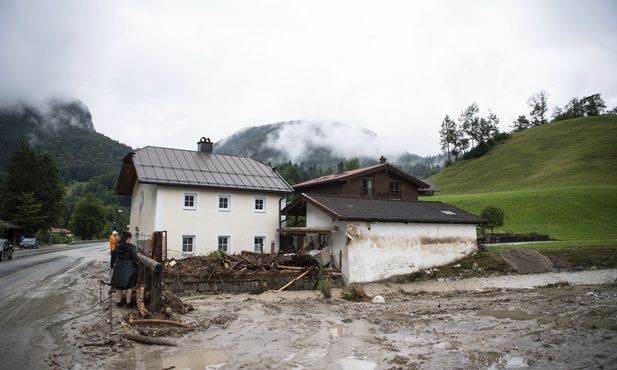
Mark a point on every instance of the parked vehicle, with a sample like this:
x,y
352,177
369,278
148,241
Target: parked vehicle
x,y
7,249
29,243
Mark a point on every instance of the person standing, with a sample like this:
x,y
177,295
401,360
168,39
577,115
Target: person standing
x,y
126,268
113,239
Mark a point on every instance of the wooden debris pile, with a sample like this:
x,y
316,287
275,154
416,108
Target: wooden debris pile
x,y
220,265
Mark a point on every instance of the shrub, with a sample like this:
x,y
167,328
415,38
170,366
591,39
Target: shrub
x,y
325,287
355,292
494,216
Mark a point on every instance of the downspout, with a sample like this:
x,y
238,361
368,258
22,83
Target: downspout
x,y
281,220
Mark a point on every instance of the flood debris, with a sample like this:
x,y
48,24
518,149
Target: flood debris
x,y
220,265
133,321
147,340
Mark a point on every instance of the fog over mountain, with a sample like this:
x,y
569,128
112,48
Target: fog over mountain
x,y
64,128
318,143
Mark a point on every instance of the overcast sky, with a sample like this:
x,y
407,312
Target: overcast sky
x,y
165,73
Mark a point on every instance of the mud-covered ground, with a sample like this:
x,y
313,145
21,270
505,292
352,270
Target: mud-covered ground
x,y
554,320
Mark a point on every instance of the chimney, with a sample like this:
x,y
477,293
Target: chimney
x,y
341,168
204,145
383,160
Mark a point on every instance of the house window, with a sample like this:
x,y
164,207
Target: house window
x,y
223,243
395,190
368,188
260,241
260,204
224,203
190,201
188,244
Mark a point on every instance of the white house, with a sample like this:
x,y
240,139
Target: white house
x,y
374,239
373,226
204,201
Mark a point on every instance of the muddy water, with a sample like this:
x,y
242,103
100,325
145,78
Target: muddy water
x,y
504,282
515,315
551,327
177,358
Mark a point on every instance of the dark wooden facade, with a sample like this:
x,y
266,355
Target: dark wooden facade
x,y
380,181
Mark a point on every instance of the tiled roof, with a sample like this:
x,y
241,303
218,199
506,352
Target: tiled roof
x,y
347,175
384,210
168,166
431,187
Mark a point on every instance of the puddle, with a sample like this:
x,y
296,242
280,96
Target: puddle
x,y
515,315
448,345
559,320
595,323
338,329
410,338
496,360
352,363
194,359
395,316
559,292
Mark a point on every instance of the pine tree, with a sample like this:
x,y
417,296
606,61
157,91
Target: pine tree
x,y
32,190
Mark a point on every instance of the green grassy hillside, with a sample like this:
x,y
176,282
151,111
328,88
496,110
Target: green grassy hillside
x,y
563,174
576,152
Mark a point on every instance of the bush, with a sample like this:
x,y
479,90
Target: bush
x,y
325,287
477,151
355,292
494,216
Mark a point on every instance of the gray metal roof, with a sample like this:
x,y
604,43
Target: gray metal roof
x,y
383,210
169,166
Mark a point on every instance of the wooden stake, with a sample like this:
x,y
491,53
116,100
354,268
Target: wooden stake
x,y
140,302
299,277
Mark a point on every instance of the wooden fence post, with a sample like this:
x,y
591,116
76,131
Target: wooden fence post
x,y
152,272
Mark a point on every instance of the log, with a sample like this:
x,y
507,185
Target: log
x,y
299,277
296,268
140,302
157,321
150,263
148,340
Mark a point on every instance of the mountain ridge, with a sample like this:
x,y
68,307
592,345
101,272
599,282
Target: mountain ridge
x,y
65,129
323,145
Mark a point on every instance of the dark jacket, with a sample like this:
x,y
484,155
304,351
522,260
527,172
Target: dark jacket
x,y
126,267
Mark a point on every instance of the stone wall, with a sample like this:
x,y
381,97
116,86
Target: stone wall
x,y
497,238
255,284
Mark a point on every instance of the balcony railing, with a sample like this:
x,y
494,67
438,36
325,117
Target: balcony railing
x,y
395,194
367,192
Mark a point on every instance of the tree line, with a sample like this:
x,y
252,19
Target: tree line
x,y
472,135
34,197
587,106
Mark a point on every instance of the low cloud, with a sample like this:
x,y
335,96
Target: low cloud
x,y
344,140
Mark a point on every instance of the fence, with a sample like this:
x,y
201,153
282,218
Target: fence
x,y
152,252
153,246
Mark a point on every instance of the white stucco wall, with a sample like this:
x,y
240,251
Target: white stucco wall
x,y
241,223
378,251
143,207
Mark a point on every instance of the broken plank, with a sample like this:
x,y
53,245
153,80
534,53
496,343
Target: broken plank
x,y
299,277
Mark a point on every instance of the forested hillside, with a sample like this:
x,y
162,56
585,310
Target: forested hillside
x,y
64,129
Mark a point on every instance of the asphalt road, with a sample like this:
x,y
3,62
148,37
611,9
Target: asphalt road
x,y
38,295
